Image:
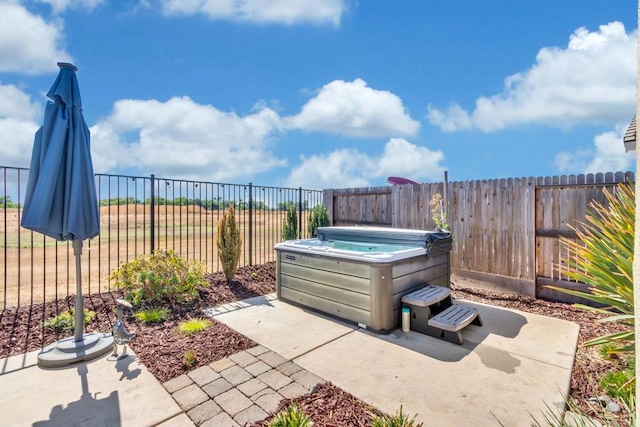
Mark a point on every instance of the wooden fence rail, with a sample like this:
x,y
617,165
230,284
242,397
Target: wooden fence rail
x,y
505,231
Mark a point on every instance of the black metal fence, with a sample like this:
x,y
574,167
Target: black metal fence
x,y
139,214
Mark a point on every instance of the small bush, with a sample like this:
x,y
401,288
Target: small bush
x,y
194,325
229,243
164,276
293,416
64,322
290,226
152,315
398,420
319,217
190,359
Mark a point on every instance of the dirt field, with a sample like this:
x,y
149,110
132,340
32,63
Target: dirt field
x,y
36,269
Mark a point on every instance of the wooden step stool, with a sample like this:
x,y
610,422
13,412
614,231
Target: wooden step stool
x,y
434,313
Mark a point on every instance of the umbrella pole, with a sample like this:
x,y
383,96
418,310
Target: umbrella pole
x,y
78,330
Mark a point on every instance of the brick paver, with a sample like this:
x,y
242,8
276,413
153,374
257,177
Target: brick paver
x,y
289,368
269,401
272,359
204,411
274,379
203,375
257,368
222,364
250,415
233,402
293,390
177,383
217,387
257,350
251,387
306,378
236,375
221,420
190,397
243,358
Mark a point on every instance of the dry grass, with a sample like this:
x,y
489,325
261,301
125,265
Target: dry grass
x,y
35,268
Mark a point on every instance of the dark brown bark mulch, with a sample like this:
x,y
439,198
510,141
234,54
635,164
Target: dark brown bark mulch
x,y
329,406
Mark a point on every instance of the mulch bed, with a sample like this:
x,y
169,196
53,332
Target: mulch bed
x,y
161,349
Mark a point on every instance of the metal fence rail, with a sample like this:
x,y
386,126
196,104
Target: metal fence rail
x,y
139,214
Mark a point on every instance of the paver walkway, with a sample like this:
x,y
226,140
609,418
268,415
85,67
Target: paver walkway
x,y
240,389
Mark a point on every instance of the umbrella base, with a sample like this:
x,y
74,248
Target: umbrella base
x,y
69,351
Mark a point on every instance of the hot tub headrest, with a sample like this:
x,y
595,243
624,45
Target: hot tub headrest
x,y
435,242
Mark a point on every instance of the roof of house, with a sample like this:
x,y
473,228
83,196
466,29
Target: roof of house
x,y
630,136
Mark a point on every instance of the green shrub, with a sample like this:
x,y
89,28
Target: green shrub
x,y
602,258
64,322
151,280
293,416
190,359
152,315
398,420
194,325
319,217
290,226
229,243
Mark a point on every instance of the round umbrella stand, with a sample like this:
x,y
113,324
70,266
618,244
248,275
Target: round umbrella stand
x,y
69,351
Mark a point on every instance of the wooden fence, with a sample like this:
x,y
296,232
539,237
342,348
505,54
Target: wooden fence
x,y
506,232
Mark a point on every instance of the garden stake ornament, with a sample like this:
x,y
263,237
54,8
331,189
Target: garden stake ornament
x,y
120,334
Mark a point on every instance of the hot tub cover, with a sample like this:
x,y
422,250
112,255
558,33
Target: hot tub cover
x,y
435,242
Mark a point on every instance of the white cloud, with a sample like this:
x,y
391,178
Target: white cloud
x,y
354,109
351,168
28,44
288,12
401,158
58,6
593,79
181,138
607,155
18,124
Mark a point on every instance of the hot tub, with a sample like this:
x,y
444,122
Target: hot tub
x,y
360,273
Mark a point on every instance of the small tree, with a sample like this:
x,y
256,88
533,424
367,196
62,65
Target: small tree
x,y
229,243
290,226
319,217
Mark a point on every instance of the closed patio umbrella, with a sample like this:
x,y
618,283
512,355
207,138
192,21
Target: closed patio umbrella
x,y
61,202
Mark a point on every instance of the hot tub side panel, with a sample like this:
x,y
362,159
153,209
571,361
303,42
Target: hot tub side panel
x,y
414,274
335,286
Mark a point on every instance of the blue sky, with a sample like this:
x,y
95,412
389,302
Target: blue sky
x,y
329,93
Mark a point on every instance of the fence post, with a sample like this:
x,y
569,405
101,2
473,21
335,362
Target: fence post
x,y
250,224
299,212
152,206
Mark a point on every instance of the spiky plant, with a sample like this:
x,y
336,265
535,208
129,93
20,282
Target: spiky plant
x,y
290,226
292,416
319,217
602,258
229,243
398,420
195,325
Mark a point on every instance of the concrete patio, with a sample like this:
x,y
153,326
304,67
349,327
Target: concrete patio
x,y
512,368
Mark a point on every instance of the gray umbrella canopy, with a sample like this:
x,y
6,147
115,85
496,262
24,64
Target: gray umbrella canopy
x,y
60,200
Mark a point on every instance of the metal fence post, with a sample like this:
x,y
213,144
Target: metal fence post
x,y
152,206
299,212
250,224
